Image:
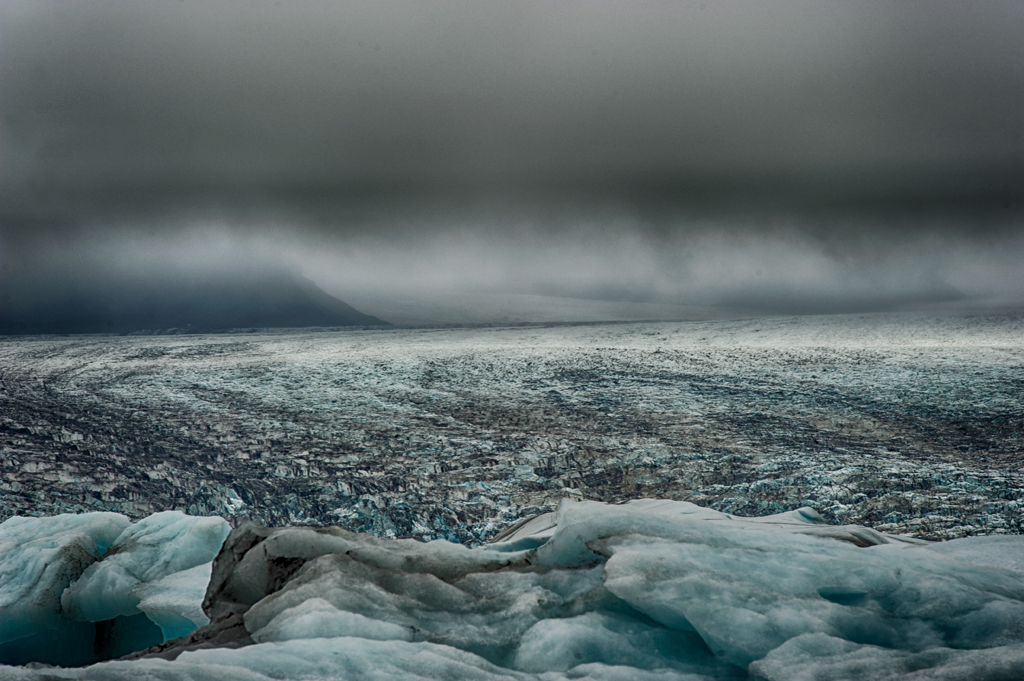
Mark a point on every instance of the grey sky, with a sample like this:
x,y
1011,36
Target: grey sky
x,y
386,128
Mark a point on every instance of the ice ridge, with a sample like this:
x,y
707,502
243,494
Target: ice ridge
x,y
645,590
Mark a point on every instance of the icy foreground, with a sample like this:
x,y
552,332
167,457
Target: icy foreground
x,y
77,588
646,590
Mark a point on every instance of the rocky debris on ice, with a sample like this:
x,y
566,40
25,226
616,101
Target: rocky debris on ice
x,y
645,590
910,424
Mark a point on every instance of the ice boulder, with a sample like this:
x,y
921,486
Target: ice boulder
x,y
137,566
174,602
76,589
39,558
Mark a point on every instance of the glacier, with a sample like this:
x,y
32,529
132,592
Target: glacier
x,y
907,423
649,589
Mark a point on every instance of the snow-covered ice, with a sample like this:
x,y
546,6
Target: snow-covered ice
x,y
651,589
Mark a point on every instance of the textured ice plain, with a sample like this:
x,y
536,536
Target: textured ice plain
x,y
907,423
77,588
650,589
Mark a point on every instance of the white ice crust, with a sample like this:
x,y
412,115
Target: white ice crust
x,y
999,550
646,590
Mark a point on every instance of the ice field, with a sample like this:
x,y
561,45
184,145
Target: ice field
x,y
908,423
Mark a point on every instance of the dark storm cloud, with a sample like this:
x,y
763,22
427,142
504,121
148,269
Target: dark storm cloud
x,y
138,102
654,150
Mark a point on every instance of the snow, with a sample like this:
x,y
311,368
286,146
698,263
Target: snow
x,y
317,618
340,658
651,589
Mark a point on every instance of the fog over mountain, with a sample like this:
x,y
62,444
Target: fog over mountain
x,y
794,157
169,301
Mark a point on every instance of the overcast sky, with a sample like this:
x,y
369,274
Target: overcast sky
x,y
653,150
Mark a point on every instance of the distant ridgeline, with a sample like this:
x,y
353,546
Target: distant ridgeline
x,y
120,303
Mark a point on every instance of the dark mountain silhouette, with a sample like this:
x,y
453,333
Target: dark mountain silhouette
x,y
182,300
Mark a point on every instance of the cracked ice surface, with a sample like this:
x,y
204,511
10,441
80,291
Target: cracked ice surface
x,y
909,423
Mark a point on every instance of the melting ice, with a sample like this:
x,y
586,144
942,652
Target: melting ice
x,y
645,590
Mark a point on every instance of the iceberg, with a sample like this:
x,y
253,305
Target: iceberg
x,y
39,558
649,589
137,566
75,589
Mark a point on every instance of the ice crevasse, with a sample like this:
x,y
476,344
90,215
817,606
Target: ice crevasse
x,y
644,590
